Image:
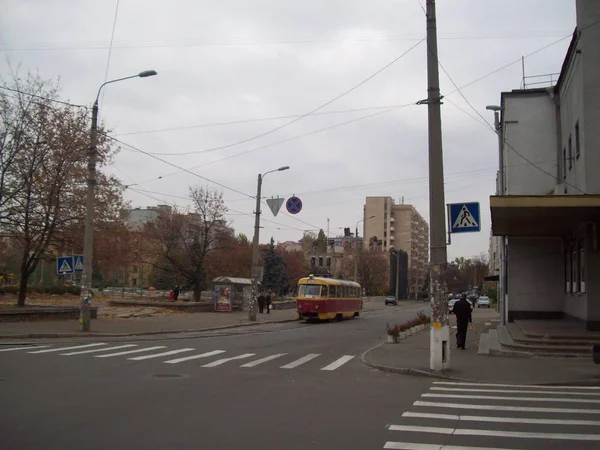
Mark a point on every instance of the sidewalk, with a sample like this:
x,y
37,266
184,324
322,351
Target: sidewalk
x,y
175,323
163,324
411,356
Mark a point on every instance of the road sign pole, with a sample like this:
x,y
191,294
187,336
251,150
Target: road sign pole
x,y
252,304
439,353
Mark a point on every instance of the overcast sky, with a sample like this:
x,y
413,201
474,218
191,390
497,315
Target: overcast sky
x,y
242,60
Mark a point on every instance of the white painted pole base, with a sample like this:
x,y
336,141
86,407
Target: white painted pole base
x,y
439,348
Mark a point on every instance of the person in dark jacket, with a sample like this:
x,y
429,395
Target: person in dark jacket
x,y
462,310
176,293
261,303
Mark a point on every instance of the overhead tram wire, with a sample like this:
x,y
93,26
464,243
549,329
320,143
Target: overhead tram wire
x,y
312,111
490,126
148,194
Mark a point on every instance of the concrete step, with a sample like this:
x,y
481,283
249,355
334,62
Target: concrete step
x,y
521,338
497,349
507,343
575,335
484,344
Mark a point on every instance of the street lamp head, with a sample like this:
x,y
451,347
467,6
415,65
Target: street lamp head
x,y
147,73
283,168
493,108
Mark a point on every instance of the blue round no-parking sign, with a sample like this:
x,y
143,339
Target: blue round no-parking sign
x,y
293,205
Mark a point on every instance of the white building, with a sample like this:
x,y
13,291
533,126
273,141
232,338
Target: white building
x,y
550,208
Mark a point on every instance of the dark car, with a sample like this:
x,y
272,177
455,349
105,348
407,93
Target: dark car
x,y
391,300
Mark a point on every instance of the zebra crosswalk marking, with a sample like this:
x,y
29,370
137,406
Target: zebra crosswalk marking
x,y
97,350
49,350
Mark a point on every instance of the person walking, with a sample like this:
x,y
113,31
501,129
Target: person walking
x,y
269,298
176,293
261,303
462,310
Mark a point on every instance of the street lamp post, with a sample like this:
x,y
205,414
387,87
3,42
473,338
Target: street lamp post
x,y
255,268
356,248
88,239
501,242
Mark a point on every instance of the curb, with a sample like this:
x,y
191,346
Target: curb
x,y
407,370
430,374
145,333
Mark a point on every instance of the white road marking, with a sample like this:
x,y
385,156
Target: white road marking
x,y
506,408
129,352
496,433
158,355
512,391
340,362
12,349
263,360
520,399
500,419
528,386
414,446
69,348
301,361
218,362
97,350
189,358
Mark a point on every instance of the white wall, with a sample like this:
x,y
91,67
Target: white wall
x,y
536,274
529,123
588,12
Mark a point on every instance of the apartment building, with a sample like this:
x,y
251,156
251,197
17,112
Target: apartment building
x,y
397,226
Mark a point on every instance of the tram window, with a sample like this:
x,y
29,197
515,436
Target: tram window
x,y
342,291
332,291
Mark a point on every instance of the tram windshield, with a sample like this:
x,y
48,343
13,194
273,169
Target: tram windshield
x,y
312,290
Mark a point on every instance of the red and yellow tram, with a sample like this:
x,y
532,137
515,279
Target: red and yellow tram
x,y
328,298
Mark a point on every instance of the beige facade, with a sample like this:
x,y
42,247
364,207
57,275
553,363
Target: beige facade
x,y
397,226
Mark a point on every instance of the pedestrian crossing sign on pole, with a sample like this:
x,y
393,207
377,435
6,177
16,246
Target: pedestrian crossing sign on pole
x,y
464,217
77,263
64,265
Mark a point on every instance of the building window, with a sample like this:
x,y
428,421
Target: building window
x,y
134,269
575,271
570,154
564,163
581,267
328,262
385,206
313,261
320,261
577,140
385,234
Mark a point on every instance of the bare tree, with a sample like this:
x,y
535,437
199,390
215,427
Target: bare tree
x,y
43,148
187,237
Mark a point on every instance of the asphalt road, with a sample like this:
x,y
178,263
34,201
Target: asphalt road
x,y
286,386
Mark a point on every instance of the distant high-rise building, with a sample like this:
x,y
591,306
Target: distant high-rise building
x,y
396,226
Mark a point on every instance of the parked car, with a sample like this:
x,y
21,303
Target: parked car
x,y
484,302
451,305
391,300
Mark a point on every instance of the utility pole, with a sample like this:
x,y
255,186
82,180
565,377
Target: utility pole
x,y
439,352
88,238
397,274
255,268
356,253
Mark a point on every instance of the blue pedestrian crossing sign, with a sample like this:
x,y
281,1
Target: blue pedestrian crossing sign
x,y
64,265
77,263
464,217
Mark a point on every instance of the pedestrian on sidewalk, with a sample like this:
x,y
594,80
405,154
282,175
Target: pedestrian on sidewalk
x,y
261,303
176,293
462,310
269,299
